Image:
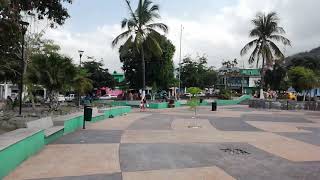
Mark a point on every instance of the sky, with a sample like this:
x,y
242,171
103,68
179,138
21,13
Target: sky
x,y
215,28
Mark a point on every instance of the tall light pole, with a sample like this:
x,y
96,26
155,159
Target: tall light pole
x,y
79,95
180,59
80,55
24,27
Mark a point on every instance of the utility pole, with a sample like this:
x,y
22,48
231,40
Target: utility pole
x,y
24,28
180,59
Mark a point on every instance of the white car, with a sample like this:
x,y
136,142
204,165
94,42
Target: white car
x,y
106,97
201,95
61,98
70,97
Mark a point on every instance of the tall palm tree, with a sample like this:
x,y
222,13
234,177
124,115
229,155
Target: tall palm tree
x,y
141,31
266,32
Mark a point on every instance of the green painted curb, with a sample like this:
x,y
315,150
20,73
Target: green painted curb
x,y
15,154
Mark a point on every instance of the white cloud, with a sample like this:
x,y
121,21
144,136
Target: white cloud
x,y
96,44
220,35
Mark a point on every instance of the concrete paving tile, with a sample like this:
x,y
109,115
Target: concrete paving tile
x,y
184,124
232,124
258,164
274,118
154,122
212,173
91,137
279,126
115,176
193,136
70,160
311,138
290,149
117,123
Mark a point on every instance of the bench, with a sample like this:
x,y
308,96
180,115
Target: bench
x,y
17,146
70,122
51,132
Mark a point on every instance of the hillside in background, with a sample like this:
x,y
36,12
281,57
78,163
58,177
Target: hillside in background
x,y
314,52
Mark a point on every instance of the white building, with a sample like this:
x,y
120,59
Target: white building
x,y
12,90
8,89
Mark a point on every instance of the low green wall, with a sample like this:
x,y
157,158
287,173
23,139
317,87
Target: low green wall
x,y
233,102
163,105
54,137
119,103
15,154
98,118
73,124
117,111
177,104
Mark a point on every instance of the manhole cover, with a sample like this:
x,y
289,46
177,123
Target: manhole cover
x,y
235,151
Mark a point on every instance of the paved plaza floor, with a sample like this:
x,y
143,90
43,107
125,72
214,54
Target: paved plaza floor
x,y
233,143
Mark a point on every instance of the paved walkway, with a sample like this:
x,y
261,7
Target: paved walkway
x,y
234,143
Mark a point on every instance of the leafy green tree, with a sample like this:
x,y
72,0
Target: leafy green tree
x,y
194,102
141,31
52,71
266,32
303,79
100,76
81,83
195,73
276,78
12,12
159,69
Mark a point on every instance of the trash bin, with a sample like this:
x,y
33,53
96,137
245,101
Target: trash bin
x,y
214,106
201,101
87,113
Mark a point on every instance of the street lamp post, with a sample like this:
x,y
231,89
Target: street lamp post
x,y
24,27
80,55
180,59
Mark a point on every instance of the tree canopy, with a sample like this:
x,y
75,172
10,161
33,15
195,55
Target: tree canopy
x,y
275,78
141,32
266,32
13,13
159,69
99,75
196,73
302,78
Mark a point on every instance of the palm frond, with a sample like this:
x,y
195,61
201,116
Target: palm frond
x,y
133,15
154,8
154,46
276,50
124,23
282,39
160,26
120,38
254,55
249,46
255,33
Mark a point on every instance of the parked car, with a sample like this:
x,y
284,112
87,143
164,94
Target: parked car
x,y
106,97
70,97
61,98
201,95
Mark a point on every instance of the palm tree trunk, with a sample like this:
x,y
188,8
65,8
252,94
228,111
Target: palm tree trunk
x,y
262,78
143,72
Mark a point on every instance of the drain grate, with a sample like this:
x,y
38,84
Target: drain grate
x,y
235,151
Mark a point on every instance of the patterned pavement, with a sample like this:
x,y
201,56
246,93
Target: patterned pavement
x,y
233,143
